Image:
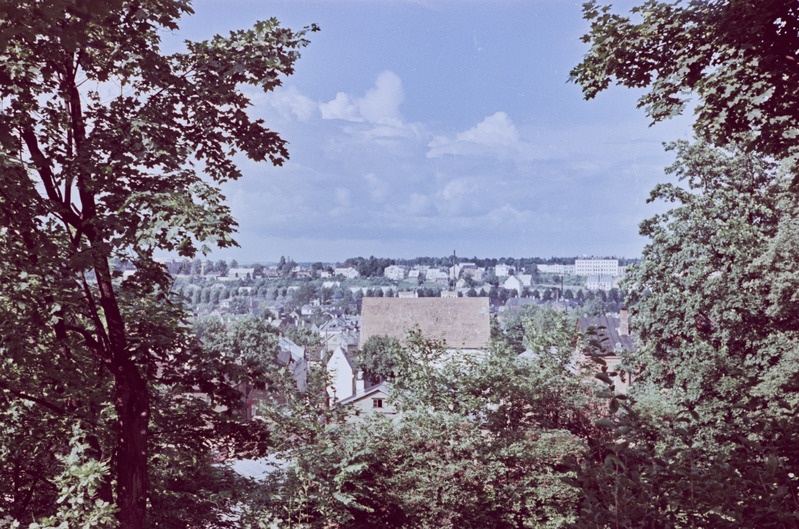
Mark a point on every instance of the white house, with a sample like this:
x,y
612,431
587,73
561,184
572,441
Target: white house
x,y
599,282
339,365
502,270
395,273
373,400
348,272
517,283
435,274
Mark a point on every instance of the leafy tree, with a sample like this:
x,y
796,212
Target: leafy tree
x,y
745,84
594,307
304,337
479,443
718,356
305,294
90,177
221,267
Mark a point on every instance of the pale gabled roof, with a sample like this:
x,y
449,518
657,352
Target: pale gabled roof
x,y
383,387
463,323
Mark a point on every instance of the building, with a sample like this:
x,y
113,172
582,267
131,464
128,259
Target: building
x,y
463,323
596,267
348,272
517,283
612,341
503,270
340,368
599,282
395,273
560,269
376,399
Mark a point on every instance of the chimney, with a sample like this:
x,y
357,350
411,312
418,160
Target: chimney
x,y
624,322
359,384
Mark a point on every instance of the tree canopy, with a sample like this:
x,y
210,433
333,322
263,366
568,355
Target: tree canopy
x,y
111,149
736,63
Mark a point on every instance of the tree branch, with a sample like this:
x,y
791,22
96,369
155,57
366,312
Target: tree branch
x,y
41,402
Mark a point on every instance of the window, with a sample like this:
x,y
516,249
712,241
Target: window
x,y
377,403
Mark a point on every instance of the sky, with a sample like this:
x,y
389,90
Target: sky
x,y
419,128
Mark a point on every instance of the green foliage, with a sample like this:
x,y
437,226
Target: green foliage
x,y
380,358
78,485
745,84
480,441
709,440
87,179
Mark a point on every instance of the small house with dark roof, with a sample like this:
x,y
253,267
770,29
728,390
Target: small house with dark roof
x,y
611,340
462,323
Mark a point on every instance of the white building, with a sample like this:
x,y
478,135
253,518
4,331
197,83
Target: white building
x,y
560,269
395,273
599,282
596,267
348,272
435,274
517,283
339,366
502,270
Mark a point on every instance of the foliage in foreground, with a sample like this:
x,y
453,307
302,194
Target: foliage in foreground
x,y
112,151
477,442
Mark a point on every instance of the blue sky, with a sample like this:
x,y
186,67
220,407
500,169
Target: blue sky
x,y
422,127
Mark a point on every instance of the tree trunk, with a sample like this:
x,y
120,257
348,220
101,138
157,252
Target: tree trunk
x,y
133,415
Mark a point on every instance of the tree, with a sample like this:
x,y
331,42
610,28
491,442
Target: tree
x,y
745,83
479,444
379,358
221,268
89,177
715,313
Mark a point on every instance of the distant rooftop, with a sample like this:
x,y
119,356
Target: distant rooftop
x,y
462,322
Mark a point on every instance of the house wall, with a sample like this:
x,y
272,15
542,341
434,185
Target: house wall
x,y
365,405
341,376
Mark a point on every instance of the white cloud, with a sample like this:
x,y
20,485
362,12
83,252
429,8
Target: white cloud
x,y
496,136
343,197
341,107
380,105
290,103
378,189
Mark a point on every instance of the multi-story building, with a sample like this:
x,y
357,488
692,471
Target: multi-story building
x,y
596,267
348,272
561,269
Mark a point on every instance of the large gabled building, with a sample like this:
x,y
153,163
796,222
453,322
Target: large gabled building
x,y
463,323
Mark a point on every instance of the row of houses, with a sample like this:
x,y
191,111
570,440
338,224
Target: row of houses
x,y
463,324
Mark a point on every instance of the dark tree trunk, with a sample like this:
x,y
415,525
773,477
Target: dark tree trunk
x,y
133,415
132,404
